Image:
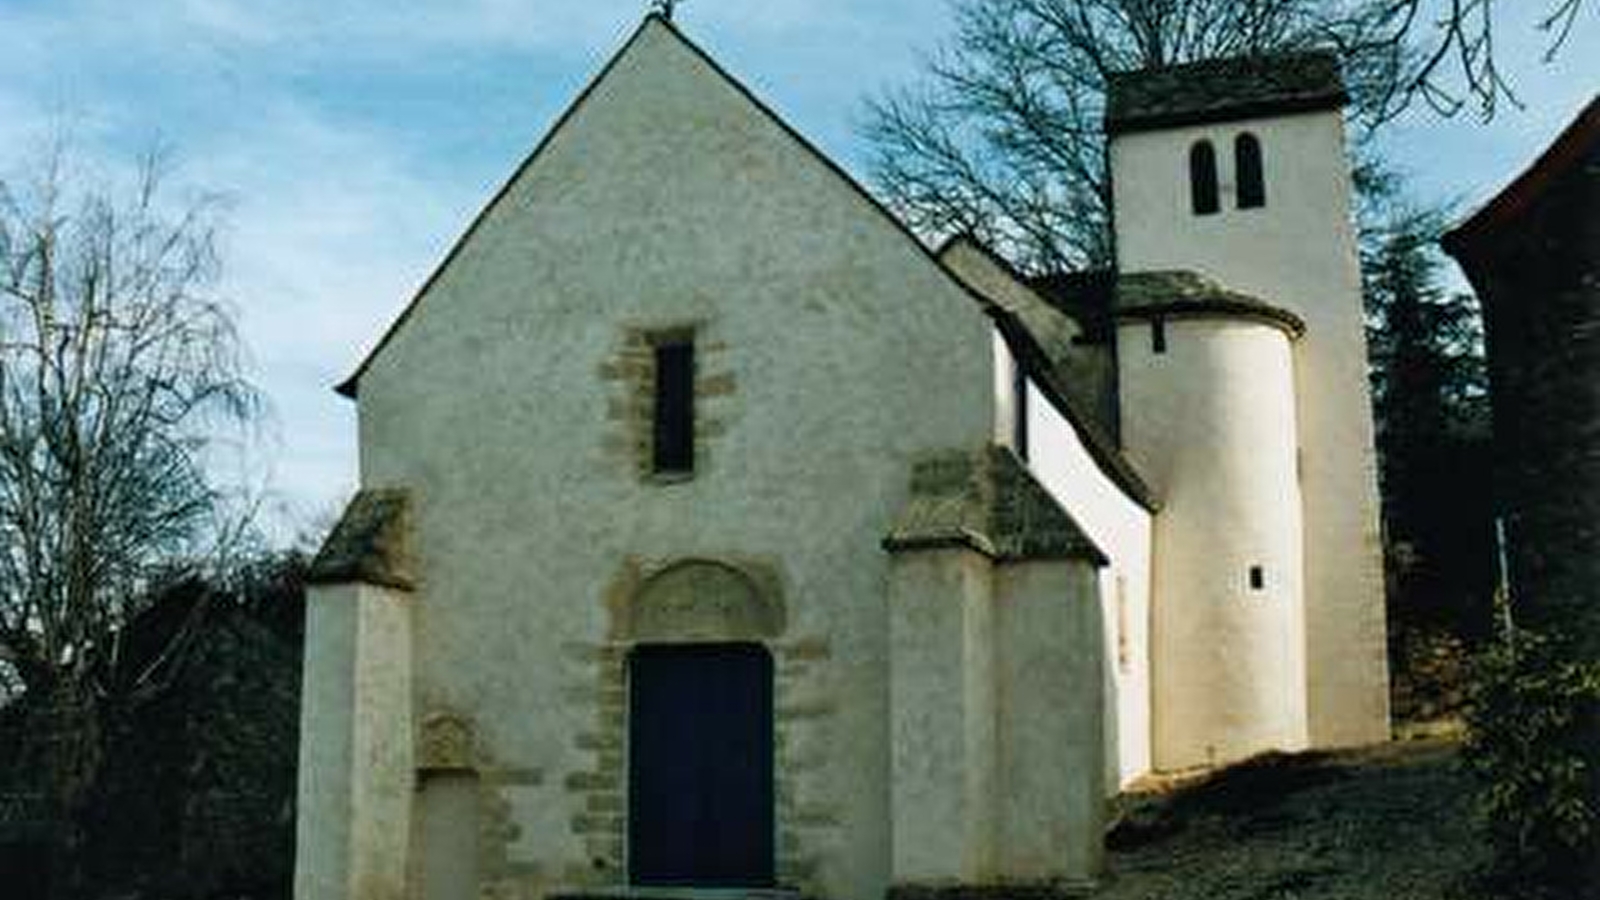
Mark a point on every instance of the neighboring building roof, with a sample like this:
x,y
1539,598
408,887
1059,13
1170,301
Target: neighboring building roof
x,y
1223,90
1179,293
1575,144
370,545
987,500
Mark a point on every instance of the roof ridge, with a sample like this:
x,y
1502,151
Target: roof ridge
x,y
349,385
1234,60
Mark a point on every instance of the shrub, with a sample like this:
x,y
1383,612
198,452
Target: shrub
x,y
1532,711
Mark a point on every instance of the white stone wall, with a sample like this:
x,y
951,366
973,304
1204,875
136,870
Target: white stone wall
x,y
997,715
1050,711
1117,524
356,761
1297,252
1121,528
322,828
831,354
942,705
1211,424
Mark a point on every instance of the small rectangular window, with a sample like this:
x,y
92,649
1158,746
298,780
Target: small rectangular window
x,y
1258,578
673,446
1158,335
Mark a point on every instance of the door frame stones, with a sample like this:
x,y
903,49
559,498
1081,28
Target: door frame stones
x,y
702,599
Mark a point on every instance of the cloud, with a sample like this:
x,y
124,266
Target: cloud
x,y
333,227
357,138
177,30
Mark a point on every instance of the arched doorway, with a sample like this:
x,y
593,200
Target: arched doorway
x,y
700,772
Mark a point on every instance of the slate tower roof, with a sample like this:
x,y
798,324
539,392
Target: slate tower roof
x,y
1224,89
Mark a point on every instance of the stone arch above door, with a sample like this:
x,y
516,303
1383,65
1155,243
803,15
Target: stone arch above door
x,y
700,600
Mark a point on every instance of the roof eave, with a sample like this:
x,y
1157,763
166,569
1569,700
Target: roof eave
x,y
1281,319
1116,126
1501,210
348,387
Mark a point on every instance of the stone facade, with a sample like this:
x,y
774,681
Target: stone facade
x,y
905,510
631,404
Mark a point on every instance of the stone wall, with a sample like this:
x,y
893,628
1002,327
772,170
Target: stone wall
x,y
1296,253
514,405
631,404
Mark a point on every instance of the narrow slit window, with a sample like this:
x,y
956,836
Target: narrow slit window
x,y
1258,578
1019,423
1249,178
673,445
1158,335
1124,622
1203,178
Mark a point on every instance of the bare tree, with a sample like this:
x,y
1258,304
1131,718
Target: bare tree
x,y
1003,137
1453,62
116,365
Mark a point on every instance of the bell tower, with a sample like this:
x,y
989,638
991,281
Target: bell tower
x,y
1235,171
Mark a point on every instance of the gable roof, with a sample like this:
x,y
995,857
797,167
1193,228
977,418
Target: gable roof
x,y
1579,141
349,386
1025,347
1220,90
371,544
654,20
1029,342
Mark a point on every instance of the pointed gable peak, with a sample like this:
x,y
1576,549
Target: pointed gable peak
x,y
657,41
653,32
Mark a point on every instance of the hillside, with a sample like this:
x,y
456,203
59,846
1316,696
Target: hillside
x,y
1392,822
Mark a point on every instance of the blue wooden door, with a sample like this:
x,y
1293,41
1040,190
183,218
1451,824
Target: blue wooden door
x,y
700,765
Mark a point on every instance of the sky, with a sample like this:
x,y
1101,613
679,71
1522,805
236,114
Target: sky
x,y
354,140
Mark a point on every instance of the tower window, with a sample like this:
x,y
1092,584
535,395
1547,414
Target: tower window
x,y
673,444
1249,181
1158,335
1203,178
1258,578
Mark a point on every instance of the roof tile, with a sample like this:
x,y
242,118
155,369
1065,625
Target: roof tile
x,y
1223,90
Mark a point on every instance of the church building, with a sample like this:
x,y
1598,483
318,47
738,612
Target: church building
x,y
718,537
